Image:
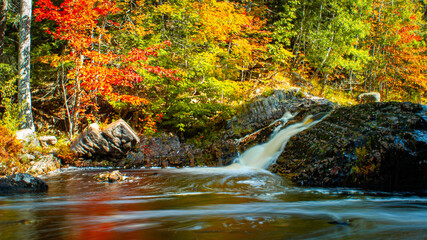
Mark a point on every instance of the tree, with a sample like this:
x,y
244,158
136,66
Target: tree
x,y
3,21
24,60
398,62
98,71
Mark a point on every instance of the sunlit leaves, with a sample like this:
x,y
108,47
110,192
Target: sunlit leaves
x,y
98,71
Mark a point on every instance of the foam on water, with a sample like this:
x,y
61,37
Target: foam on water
x,y
263,155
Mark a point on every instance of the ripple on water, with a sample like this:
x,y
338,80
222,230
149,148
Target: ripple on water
x,y
208,203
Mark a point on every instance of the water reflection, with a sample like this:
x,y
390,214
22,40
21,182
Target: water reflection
x,y
205,204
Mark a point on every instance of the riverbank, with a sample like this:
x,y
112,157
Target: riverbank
x,y
371,146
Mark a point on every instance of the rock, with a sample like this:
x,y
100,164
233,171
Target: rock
x,y
47,140
22,183
27,137
380,146
167,150
46,164
119,133
162,151
265,110
114,141
27,157
369,97
114,176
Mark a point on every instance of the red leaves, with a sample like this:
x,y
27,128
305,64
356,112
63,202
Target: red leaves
x,y
79,23
75,19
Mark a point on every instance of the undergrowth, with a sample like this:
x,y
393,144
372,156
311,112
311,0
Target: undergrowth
x,y
10,148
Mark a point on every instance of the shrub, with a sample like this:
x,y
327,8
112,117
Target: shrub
x,y
10,147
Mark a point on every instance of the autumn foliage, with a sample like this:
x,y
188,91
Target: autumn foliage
x,y
122,58
99,70
10,147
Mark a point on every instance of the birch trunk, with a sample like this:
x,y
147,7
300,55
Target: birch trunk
x,y
24,91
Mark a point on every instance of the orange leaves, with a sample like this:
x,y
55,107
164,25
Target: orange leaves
x,y
220,20
97,72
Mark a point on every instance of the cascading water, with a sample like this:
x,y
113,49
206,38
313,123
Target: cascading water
x,y
263,155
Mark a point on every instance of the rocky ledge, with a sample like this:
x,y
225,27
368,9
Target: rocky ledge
x,y
21,183
380,146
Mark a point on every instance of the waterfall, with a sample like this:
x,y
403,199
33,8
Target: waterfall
x,y
263,155
284,119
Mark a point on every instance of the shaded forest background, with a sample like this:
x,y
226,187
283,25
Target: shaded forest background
x,y
185,66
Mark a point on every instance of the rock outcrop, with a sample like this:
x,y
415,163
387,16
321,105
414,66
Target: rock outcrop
x,y
168,150
21,183
265,110
113,142
380,146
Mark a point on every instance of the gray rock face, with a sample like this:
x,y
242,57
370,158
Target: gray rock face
x,y
380,146
265,110
162,151
115,140
21,183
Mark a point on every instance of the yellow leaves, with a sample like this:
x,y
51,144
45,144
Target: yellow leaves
x,y
54,60
166,8
220,20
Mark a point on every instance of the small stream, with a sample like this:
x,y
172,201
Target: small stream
x,y
205,203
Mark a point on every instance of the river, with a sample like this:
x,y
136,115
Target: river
x,y
205,203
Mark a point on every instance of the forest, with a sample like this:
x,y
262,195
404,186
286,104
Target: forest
x,y
185,66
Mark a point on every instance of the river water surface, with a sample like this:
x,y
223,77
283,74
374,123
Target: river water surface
x,y
205,203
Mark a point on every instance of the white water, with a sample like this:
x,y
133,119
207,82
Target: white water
x,y
263,155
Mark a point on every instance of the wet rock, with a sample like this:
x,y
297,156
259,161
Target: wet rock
x,y
165,150
265,110
46,164
114,176
21,183
379,146
114,141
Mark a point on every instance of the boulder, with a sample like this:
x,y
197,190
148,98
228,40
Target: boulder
x,y
380,146
27,137
114,176
21,183
47,140
369,97
46,164
114,141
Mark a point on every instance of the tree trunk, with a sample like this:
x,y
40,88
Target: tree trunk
x,y
3,20
24,91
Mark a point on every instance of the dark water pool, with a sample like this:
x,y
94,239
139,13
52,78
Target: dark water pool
x,y
205,204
